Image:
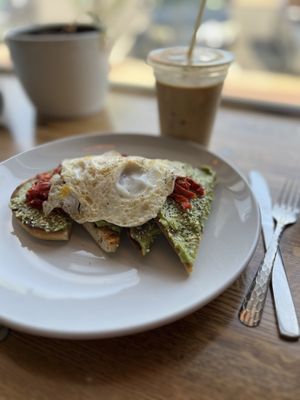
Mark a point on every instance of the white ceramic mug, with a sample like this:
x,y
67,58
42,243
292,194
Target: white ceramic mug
x,y
64,74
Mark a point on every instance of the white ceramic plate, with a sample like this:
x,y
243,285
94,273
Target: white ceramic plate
x,y
74,290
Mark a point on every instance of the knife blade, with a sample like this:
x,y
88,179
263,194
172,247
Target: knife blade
x,y
287,320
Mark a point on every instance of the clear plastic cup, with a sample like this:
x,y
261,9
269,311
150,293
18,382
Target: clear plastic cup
x,y
188,93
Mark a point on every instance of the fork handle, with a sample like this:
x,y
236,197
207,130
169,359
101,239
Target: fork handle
x,y
252,307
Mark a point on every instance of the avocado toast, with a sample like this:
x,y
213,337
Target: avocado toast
x,y
184,227
180,193
56,226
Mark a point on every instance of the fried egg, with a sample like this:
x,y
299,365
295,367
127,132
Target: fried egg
x,y
125,191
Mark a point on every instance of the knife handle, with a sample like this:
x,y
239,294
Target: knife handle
x,y
286,316
253,304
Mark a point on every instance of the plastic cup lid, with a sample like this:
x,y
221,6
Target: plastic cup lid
x,y
176,57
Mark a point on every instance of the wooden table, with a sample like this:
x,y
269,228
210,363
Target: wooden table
x,y
207,355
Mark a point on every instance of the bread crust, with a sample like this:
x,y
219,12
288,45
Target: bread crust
x,y
105,237
42,234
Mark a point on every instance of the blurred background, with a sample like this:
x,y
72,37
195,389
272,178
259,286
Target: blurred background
x,y
264,35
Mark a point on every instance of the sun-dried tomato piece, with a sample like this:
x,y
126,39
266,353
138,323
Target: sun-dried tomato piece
x,y
196,187
183,201
39,190
35,203
186,189
185,192
44,176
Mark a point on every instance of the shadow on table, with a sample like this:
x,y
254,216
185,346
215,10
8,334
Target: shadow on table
x,y
48,130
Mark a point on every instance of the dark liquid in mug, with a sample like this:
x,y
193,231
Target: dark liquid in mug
x,y
188,113
63,29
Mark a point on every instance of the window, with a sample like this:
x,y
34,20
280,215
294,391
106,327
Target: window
x,y
264,35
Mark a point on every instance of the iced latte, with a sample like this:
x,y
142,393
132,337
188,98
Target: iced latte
x,y
188,93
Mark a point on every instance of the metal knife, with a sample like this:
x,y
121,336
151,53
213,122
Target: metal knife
x,y
284,306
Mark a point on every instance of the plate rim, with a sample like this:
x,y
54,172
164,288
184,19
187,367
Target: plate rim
x,y
138,327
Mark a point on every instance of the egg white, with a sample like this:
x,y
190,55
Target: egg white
x,y
125,191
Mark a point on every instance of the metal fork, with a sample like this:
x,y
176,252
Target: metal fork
x,y
285,212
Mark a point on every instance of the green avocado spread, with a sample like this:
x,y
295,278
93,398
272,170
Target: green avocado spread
x,y
105,224
184,228
56,221
145,235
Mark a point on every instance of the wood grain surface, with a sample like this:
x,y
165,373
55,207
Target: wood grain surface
x,y
207,355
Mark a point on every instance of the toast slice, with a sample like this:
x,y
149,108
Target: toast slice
x,y
106,235
56,226
184,228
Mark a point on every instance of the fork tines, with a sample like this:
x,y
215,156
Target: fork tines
x,y
289,195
